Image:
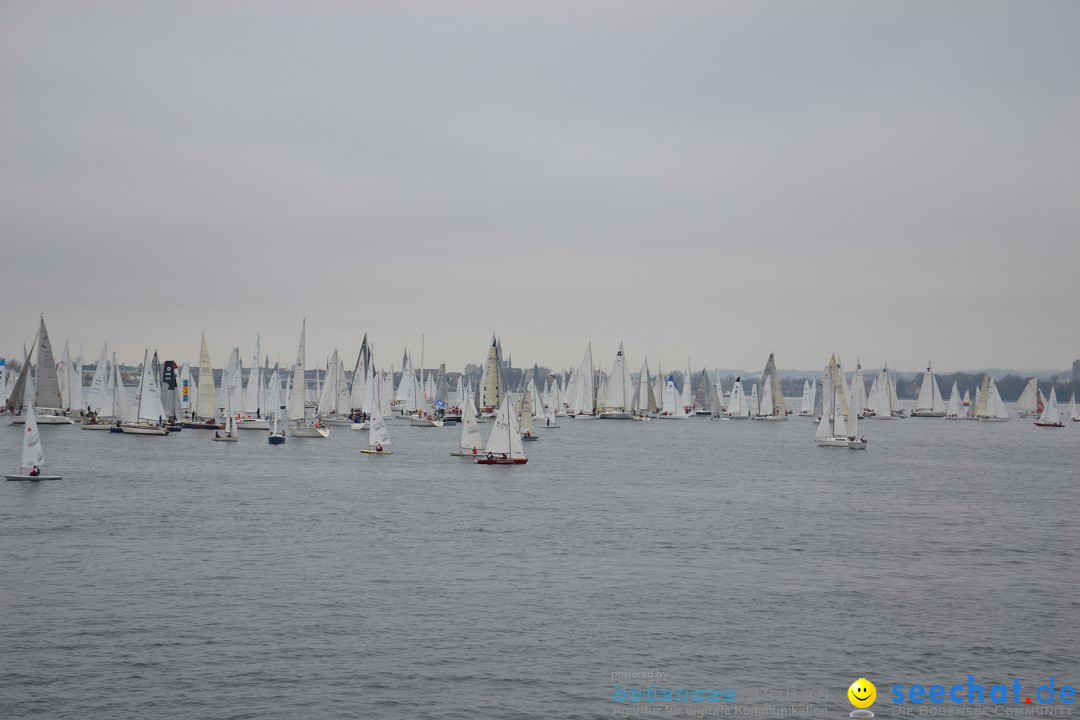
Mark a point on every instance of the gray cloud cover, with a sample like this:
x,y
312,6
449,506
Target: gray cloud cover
x,y
894,180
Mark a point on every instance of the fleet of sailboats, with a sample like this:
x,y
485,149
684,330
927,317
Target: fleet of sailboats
x,y
362,400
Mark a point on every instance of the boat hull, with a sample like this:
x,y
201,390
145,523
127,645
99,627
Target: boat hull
x,y
201,426
262,424
927,414
501,461
143,430
466,453
226,438
856,444
1057,424
832,442
43,420
276,439
420,422
33,478
97,426
616,415
377,452
309,432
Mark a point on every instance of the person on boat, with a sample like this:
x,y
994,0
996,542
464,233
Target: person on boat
x,y
474,451
490,456
35,471
217,434
378,447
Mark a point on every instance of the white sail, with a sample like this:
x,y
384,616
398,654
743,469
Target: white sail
x,y
253,392
930,400
377,432
470,431
585,402
296,395
686,397
776,405
63,377
738,405
236,382
755,404
1073,413
766,401
329,397
100,380
1050,413
857,392
807,406
491,385
505,438
204,402
619,392
1026,403
46,386
32,453
526,421
995,402
953,409
147,402
121,403
672,399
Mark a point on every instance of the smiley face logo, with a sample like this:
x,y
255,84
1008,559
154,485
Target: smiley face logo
x,y
862,693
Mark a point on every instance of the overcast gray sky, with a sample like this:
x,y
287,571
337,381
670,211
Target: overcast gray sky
x,y
893,180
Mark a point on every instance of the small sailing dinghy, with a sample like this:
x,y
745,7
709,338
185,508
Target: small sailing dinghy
x,y
525,423
1050,417
1072,409
504,444
471,442
378,436
33,458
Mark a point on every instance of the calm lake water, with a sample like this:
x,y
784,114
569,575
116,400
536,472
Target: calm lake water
x,y
178,577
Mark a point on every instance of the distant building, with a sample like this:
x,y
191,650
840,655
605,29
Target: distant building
x,y
1076,371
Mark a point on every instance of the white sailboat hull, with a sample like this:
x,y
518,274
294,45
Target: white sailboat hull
x,y
423,422
97,426
225,438
143,429
253,424
832,441
769,417
33,477
43,420
309,432
616,415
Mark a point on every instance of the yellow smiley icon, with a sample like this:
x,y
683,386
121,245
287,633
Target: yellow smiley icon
x,y
862,693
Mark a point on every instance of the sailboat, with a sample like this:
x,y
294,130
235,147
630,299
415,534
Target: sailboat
x,y
831,431
525,421
33,457
232,433
855,441
471,441
203,414
988,403
42,390
671,401
1050,416
298,399
1027,404
738,406
806,409
619,393
956,410
1072,409
148,412
930,402
644,404
773,405
378,435
504,444
277,433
